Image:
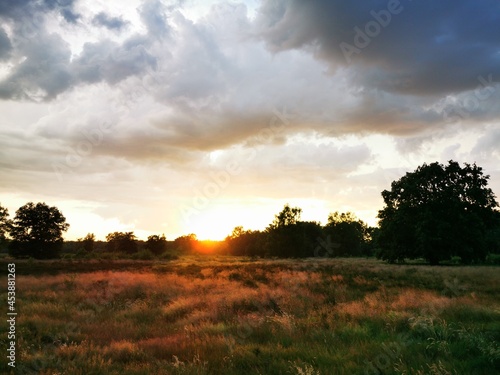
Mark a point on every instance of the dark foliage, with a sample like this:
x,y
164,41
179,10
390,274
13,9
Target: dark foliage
x,y
36,231
287,237
4,224
87,243
124,242
186,243
156,244
348,233
437,212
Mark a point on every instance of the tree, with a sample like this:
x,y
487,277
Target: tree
x,y
4,224
246,242
88,242
36,231
156,244
186,243
437,212
347,234
125,242
287,216
287,236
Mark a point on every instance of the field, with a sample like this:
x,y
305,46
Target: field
x,y
228,315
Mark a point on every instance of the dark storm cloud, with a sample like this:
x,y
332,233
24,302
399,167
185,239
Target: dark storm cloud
x,y
46,69
70,16
10,8
109,22
419,47
112,62
22,9
5,44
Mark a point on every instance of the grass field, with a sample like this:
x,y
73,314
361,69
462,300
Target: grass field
x,y
227,315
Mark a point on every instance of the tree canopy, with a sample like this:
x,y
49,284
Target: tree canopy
x,y
37,231
288,236
125,242
349,234
287,216
87,242
436,212
156,244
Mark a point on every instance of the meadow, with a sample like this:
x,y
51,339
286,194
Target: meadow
x,y
232,315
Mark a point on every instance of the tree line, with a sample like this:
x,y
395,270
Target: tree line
x,y
435,212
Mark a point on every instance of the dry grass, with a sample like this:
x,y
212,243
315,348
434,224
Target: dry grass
x,y
238,316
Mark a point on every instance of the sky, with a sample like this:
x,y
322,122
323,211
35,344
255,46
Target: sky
x,y
193,116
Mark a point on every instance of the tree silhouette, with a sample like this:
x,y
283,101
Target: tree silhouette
x,y
37,231
437,212
156,244
246,242
287,236
186,243
88,242
287,216
125,242
4,223
347,233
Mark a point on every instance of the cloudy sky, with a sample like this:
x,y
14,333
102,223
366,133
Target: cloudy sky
x,y
196,116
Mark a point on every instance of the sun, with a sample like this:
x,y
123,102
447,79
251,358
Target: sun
x,y
217,221
212,224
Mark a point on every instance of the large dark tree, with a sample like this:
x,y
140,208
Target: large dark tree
x,y
37,231
436,212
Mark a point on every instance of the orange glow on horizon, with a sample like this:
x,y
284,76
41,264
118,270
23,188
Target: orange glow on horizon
x,y
208,246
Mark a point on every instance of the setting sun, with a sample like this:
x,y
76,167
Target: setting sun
x,y
218,222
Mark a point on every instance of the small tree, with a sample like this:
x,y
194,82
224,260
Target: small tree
x,y
287,216
37,231
246,242
347,233
156,244
287,236
437,212
186,243
125,242
88,242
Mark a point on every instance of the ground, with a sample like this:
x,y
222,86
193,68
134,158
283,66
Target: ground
x,y
229,315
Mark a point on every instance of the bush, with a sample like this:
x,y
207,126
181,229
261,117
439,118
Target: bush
x,y
167,255
143,255
493,259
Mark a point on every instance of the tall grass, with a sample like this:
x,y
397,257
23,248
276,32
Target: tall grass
x,y
242,316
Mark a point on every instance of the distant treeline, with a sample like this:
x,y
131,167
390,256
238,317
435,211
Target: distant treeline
x,y
344,235
287,236
437,213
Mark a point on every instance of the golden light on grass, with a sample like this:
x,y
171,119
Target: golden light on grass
x,y
228,314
